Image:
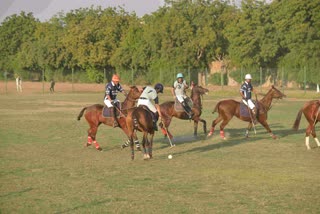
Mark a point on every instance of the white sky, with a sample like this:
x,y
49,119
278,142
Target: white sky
x,y
45,9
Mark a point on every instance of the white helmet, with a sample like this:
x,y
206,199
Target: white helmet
x,y
248,77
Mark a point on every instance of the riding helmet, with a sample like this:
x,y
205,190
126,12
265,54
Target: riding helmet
x,y
248,77
179,75
159,87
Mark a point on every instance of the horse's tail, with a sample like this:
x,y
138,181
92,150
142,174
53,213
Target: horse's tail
x,y
81,113
216,108
297,121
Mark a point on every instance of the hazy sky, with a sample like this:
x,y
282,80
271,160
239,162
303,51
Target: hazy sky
x,y
45,9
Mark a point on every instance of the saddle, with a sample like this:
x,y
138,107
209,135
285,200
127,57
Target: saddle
x,y
178,106
154,116
109,112
244,109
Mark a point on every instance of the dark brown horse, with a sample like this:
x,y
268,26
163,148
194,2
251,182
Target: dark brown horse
x,y
229,108
168,111
140,119
94,116
311,111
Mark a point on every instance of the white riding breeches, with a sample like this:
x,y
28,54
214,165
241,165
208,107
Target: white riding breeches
x,y
249,103
147,103
108,102
181,98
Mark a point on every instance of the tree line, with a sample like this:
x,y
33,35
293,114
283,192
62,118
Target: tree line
x,y
181,35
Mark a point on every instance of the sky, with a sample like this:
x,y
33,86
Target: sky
x,y
45,9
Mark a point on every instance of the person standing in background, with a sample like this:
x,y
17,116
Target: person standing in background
x,y
19,83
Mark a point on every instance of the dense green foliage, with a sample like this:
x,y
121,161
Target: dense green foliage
x,y
180,36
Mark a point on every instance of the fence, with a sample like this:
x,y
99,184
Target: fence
x,y
281,77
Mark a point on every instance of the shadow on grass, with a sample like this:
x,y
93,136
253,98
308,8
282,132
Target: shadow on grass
x,y
234,137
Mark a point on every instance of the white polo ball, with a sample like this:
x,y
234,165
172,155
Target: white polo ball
x,y
169,156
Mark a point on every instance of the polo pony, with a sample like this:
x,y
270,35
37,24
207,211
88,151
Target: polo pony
x,y
94,116
229,108
311,111
168,111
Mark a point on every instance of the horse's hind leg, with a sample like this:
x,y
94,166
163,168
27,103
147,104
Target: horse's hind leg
x,y
92,132
214,123
150,145
308,132
315,135
223,124
145,145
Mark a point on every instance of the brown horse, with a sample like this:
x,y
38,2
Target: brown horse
x,y
229,108
311,111
140,119
94,116
168,111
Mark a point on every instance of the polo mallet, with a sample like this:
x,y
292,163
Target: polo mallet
x,y
254,127
165,128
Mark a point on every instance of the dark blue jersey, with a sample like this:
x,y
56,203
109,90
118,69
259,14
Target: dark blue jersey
x,y
112,90
246,90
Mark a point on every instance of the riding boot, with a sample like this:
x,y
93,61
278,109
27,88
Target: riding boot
x,y
187,109
155,127
115,122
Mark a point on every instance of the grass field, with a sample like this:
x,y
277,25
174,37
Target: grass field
x,y
46,169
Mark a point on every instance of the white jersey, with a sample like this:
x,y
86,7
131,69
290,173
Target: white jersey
x,y
146,98
179,88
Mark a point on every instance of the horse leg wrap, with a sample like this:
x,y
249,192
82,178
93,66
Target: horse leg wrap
x,y
89,140
318,143
137,143
222,134
96,144
307,143
164,132
211,131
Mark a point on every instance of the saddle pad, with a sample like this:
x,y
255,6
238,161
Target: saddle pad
x,y
244,109
108,112
178,106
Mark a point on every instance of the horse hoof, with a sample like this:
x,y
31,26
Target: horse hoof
x,y
99,149
146,157
88,144
210,134
274,137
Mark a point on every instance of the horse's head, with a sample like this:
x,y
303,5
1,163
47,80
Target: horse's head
x,y
134,93
197,89
276,93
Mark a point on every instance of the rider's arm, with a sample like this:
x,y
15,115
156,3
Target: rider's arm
x,y
242,95
173,92
156,104
186,86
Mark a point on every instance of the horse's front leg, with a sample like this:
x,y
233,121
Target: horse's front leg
x,y
266,126
248,129
195,127
204,123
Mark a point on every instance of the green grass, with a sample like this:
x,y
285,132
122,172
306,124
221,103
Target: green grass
x,y
46,169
